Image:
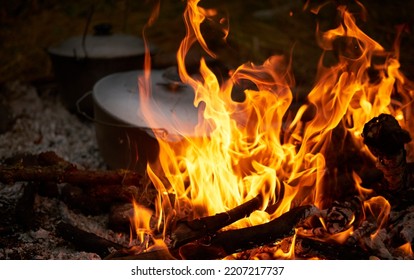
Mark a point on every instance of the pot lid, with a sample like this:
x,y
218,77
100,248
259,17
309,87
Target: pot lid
x,y
172,108
102,44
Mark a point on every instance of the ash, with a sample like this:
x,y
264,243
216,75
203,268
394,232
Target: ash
x,y
30,123
39,123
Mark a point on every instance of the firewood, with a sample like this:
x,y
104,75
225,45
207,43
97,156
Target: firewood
x,y
228,242
120,216
96,199
341,215
386,139
42,159
76,198
365,229
401,226
309,248
67,173
87,241
186,231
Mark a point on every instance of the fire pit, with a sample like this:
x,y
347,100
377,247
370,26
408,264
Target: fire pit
x,y
263,177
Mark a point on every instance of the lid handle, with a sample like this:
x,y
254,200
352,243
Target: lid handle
x,y
102,29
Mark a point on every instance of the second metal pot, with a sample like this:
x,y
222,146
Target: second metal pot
x,y
81,61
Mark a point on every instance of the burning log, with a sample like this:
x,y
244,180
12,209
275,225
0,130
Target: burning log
x,y
401,228
96,199
222,244
386,139
365,229
186,231
309,248
228,242
87,241
51,168
341,215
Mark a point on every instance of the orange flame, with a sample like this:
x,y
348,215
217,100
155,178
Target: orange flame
x,y
406,249
290,254
141,224
241,149
379,208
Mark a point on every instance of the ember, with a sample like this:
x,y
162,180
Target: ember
x,y
260,177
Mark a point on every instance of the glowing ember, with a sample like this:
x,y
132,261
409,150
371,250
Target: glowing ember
x,y
241,149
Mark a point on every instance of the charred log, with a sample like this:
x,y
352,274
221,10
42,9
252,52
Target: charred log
x,y
48,167
120,216
309,248
186,231
97,199
386,139
401,228
72,175
365,229
87,241
341,215
228,242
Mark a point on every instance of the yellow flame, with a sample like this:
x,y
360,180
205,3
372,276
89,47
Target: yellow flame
x,y
290,254
341,237
141,223
363,192
244,148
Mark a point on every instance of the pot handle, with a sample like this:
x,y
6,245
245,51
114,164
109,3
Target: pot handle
x,y
158,132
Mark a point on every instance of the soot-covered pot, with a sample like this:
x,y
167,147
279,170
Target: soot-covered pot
x,y
125,136
79,62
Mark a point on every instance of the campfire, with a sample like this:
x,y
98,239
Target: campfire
x,y
259,177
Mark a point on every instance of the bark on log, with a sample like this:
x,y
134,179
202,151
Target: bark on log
x,y
187,231
51,168
309,248
386,140
68,174
93,200
228,242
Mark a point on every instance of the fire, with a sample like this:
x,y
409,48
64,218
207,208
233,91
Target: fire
x,y
290,254
379,208
241,149
141,223
406,249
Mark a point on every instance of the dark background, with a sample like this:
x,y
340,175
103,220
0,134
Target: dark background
x,y
258,29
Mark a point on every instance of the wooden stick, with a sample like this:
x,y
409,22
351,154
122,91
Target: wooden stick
x,y
72,175
309,248
231,241
186,231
